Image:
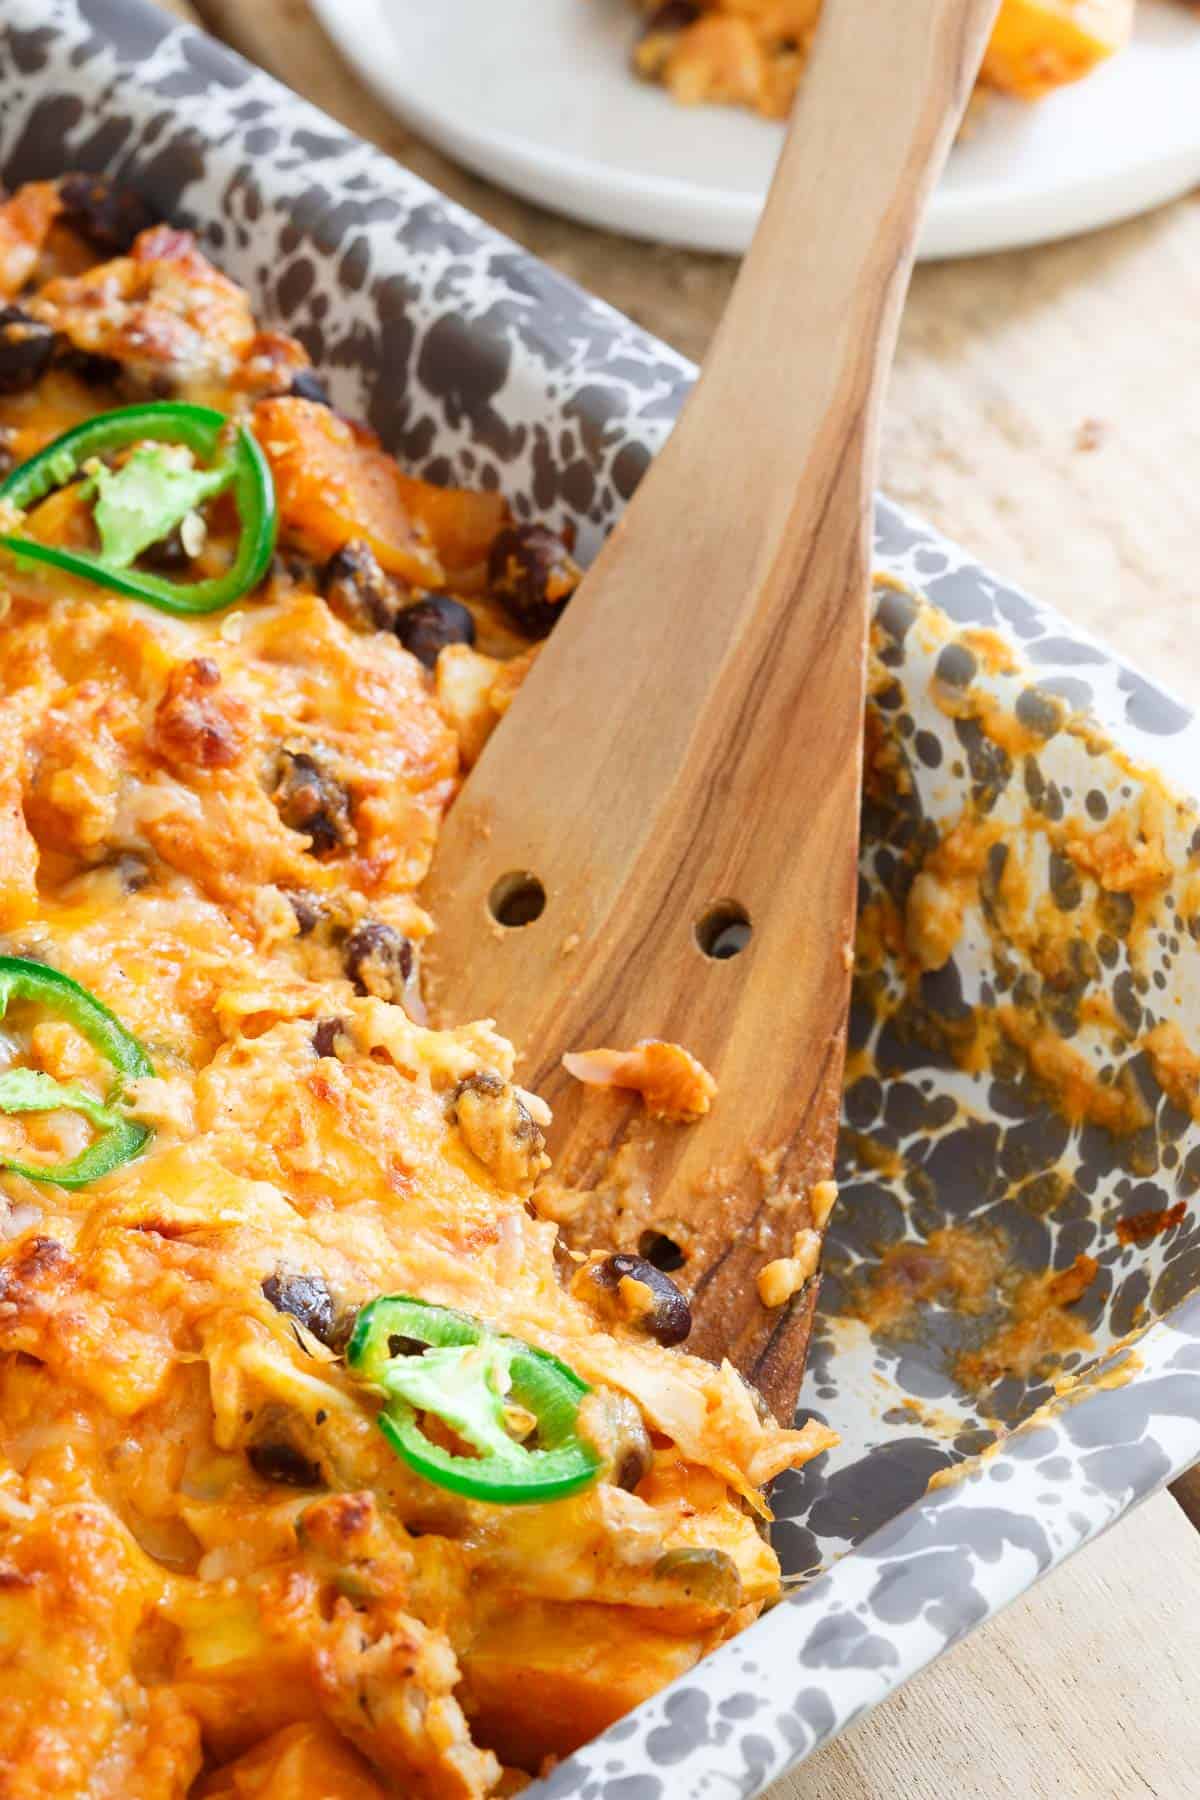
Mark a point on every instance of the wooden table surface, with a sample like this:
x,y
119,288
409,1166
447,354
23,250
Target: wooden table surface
x,y
1043,412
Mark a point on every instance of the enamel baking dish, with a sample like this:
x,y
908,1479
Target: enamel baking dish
x,y
478,364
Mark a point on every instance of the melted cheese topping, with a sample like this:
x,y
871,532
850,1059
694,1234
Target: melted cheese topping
x,y
212,1566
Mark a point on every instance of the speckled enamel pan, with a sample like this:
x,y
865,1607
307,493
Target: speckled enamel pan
x,y
478,364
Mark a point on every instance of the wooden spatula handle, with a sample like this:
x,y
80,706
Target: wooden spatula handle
x,y
691,733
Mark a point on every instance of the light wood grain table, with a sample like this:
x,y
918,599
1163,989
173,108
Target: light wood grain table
x,y
1043,411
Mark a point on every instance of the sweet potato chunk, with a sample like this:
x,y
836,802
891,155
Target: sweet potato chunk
x,y
334,485
461,523
548,1677
1039,45
302,1762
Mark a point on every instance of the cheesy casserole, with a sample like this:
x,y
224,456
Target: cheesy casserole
x,y
225,1129
752,52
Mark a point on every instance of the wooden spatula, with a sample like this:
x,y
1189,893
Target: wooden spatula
x,y
680,772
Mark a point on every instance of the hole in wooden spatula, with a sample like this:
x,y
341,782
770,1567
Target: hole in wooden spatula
x,y
517,899
662,1251
724,930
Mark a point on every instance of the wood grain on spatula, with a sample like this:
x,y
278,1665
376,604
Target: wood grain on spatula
x,y
690,738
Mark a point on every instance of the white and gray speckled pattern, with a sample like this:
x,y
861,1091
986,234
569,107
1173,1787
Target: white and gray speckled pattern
x,y
477,364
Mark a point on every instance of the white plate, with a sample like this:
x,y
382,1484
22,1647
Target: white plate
x,y
538,96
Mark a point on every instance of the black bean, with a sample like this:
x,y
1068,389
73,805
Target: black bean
x,y
358,590
307,908
429,624
669,1319
307,385
498,1128
673,16
311,800
635,1464
305,1298
284,1463
326,1035
108,216
93,370
378,960
532,576
626,1440
26,347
